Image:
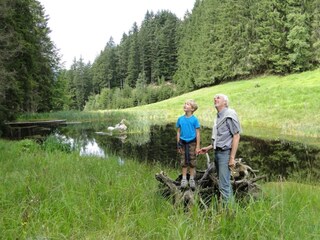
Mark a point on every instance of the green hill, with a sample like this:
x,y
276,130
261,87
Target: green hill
x,y
272,107
269,107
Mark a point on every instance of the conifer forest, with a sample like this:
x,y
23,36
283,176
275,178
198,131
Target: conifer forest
x,y
161,57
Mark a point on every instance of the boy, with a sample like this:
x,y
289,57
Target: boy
x,y
188,142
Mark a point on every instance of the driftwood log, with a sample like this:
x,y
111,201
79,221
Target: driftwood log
x,y
243,179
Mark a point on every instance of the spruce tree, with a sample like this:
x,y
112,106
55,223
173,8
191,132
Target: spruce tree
x,y
133,57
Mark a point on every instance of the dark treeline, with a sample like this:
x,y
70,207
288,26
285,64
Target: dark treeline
x,y
28,59
164,56
137,71
218,42
226,40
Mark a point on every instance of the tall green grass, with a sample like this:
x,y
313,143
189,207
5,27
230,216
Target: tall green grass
x,y
270,107
58,195
136,121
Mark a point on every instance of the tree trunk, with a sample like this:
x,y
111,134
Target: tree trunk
x,y
243,180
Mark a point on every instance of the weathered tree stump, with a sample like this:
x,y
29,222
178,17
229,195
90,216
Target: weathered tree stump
x,y
243,179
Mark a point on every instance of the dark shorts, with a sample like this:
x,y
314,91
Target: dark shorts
x,y
190,160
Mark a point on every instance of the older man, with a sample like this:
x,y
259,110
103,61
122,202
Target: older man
x,y
225,141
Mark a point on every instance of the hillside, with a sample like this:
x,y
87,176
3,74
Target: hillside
x,y
269,106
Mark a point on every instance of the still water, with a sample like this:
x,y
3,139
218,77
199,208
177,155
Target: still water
x,y
277,159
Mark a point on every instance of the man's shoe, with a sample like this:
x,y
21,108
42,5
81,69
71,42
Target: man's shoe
x,y
184,183
192,184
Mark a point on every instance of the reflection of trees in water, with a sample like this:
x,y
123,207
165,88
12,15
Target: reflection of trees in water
x,y
138,138
158,144
281,158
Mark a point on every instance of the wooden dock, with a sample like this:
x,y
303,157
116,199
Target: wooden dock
x,y
18,130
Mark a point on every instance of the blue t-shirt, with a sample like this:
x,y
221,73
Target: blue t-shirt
x,y
188,126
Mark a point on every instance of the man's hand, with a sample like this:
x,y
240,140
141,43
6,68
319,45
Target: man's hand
x,y
232,162
203,150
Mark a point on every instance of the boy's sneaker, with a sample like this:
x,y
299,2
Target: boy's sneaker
x,y
192,184
184,183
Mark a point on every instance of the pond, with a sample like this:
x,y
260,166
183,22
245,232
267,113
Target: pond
x,y
277,159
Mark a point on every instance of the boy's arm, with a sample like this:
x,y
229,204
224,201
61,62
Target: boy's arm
x,y
178,135
178,140
198,139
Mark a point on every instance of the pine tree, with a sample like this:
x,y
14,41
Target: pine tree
x,y
315,33
122,53
133,57
98,74
147,46
110,65
29,59
166,62
9,101
79,84
299,34
183,77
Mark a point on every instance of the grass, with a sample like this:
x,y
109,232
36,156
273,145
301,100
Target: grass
x,y
269,107
54,194
138,122
50,192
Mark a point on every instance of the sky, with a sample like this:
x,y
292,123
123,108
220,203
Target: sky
x,y
81,28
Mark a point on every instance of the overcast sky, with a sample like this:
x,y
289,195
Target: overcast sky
x,y
81,28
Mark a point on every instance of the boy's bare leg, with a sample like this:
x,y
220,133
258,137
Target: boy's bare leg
x,y
184,172
192,172
192,175
184,181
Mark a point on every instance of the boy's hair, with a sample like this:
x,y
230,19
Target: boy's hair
x,y
193,104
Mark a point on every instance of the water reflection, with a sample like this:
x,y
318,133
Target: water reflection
x,y
92,149
274,158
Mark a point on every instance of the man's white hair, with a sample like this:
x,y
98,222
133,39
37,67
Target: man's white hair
x,y
225,97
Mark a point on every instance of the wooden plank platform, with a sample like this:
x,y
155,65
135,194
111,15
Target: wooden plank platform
x,y
46,123
19,130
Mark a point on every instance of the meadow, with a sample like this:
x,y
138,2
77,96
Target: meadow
x,y
269,107
48,192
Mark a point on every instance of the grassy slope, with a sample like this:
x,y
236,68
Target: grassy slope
x,y
269,106
62,196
